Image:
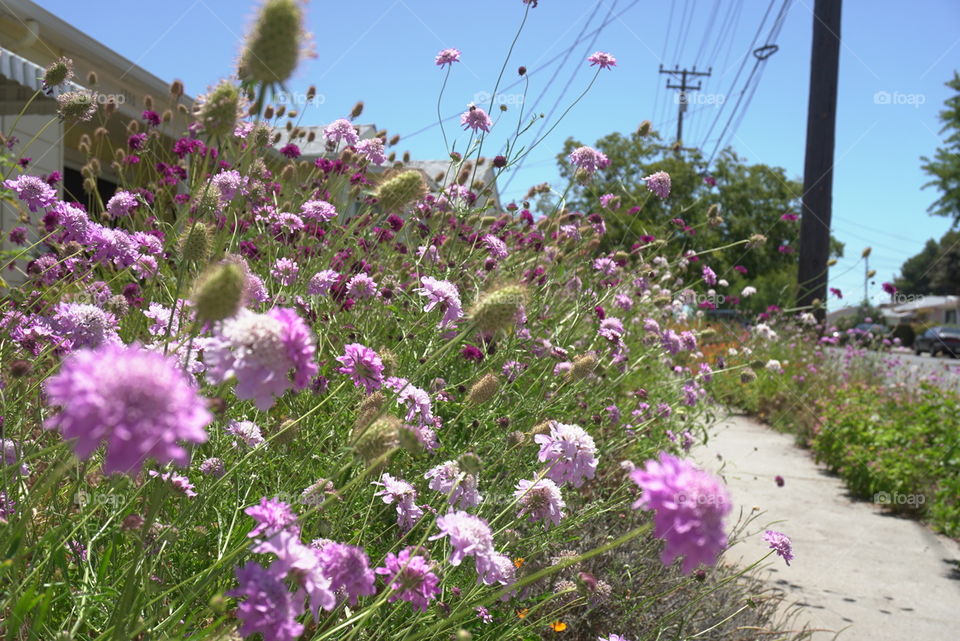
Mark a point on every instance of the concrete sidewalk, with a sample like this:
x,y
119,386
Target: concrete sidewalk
x,y
876,577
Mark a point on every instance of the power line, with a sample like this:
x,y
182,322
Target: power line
x,y
530,73
743,64
761,54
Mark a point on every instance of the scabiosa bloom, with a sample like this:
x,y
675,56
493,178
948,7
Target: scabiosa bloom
x,y
137,402
213,467
459,486
341,129
121,204
321,282
18,236
178,482
228,183
570,452
605,60
261,350
442,293
780,543
285,270
268,607
709,276
496,247
84,325
689,506
246,431
363,366
411,578
372,150
447,57
611,329
290,150
272,516
348,569
318,210
476,118
659,183
889,288
613,637
541,500
361,286
469,535
405,496
33,191
419,407
588,159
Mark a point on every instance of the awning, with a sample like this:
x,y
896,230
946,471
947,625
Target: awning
x,y
29,74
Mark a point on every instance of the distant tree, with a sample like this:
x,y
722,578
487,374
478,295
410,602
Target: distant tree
x,y
935,270
750,199
944,167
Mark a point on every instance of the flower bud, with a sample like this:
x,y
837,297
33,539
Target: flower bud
x,y
583,366
219,292
218,110
273,46
195,243
496,309
377,439
483,390
401,189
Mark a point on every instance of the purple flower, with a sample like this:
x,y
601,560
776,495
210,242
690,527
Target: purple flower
x,y
589,159
137,402
246,431
476,118
321,282
570,452
33,191
290,150
613,637
659,183
7,507
780,543
85,326
213,467
341,129
300,563
459,486
372,150
419,407
319,210
361,286
121,204
447,57
272,516
363,366
889,288
404,496
348,568
285,270
152,117
469,536
442,293
689,506
541,500
18,236
411,578
709,276
261,350
228,183
496,247
605,60
484,614
178,482
268,607
611,329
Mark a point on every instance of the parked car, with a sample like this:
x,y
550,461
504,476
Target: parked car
x,y
939,340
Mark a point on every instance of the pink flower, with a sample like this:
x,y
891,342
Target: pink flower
x,y
476,118
447,57
363,366
659,183
411,578
541,500
589,159
690,506
781,543
570,452
341,129
605,60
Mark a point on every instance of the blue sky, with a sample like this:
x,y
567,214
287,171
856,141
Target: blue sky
x,y
381,52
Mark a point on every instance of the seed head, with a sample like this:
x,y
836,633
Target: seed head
x,y
195,243
273,46
59,71
401,189
218,293
496,309
483,390
583,366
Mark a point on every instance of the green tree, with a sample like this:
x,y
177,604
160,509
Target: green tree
x,y
935,270
750,199
944,167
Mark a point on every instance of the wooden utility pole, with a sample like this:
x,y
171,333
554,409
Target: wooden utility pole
x,y
818,164
682,99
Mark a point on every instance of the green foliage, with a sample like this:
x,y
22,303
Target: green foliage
x,y
747,198
935,270
944,167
